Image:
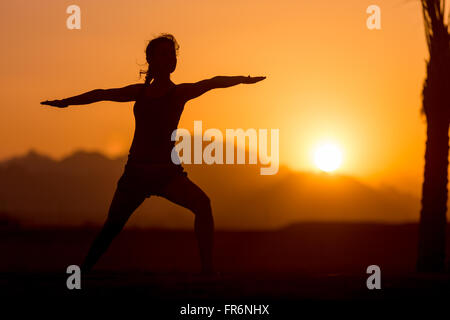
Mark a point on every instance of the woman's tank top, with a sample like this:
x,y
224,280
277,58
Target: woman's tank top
x,y
155,120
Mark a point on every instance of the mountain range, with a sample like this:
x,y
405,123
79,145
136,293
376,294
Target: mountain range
x,y
36,190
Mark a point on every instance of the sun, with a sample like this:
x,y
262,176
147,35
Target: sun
x,y
328,157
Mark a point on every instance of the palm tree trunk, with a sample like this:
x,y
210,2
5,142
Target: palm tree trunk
x,y
431,253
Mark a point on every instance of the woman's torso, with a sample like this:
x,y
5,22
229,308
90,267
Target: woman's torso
x,y
155,120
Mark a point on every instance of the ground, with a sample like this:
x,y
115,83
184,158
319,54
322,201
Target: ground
x,y
302,265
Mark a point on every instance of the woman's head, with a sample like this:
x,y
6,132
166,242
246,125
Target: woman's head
x,y
161,55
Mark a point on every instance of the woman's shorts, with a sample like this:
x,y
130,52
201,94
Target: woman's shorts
x,y
148,178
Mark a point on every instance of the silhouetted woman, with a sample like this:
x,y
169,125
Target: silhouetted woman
x,y
149,169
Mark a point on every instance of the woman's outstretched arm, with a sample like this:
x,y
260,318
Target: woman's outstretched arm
x,y
192,90
125,94
225,81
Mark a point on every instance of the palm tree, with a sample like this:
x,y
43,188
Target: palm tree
x,y
436,107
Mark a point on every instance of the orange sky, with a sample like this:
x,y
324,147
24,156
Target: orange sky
x,y
328,76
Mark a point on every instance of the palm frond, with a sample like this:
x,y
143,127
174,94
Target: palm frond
x,y
438,41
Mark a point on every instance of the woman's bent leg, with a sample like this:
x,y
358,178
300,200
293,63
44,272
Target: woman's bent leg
x,y
184,192
122,206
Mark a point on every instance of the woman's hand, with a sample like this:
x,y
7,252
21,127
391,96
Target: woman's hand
x,y
252,79
55,103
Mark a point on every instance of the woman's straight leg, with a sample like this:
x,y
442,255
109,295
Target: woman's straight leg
x,y
123,204
182,191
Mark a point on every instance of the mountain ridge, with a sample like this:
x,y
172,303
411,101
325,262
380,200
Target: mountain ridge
x,y
77,189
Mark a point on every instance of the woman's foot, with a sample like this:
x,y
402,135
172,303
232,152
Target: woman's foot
x,y
209,274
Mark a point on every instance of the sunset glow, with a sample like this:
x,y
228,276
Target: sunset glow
x,y
328,157
361,86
